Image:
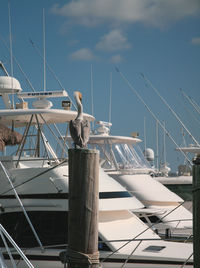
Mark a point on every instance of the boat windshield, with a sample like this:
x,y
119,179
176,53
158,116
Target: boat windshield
x,y
122,157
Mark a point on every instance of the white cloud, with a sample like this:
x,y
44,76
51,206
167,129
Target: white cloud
x,y
196,41
113,41
84,54
154,12
116,58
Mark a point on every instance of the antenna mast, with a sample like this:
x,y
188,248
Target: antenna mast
x,y
157,149
92,95
44,50
110,104
10,31
11,53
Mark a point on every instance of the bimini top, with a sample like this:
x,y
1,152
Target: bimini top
x,y
20,117
190,149
101,139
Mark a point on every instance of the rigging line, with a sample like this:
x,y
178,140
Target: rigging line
x,y
36,176
52,132
127,259
51,70
22,206
142,232
171,110
191,101
153,115
26,78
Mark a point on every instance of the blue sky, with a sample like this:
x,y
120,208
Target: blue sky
x,y
159,38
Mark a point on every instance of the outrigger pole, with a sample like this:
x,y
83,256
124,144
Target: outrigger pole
x,y
153,115
171,110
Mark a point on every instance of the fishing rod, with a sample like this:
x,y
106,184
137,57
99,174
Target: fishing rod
x,y
153,115
171,110
191,101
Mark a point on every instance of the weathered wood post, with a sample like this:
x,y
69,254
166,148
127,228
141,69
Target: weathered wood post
x,y
83,208
196,211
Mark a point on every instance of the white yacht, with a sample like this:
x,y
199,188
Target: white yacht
x,y
34,194
182,182
123,160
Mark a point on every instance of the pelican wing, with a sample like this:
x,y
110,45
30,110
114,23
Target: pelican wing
x,y
80,131
75,131
85,132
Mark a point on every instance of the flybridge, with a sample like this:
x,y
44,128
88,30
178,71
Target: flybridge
x,y
42,94
42,102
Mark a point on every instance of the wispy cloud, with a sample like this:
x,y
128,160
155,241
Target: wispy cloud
x,y
113,41
196,41
152,12
84,54
116,58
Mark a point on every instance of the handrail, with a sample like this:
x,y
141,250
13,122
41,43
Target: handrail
x,y
3,233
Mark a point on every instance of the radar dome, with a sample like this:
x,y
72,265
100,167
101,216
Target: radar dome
x,y
9,84
149,154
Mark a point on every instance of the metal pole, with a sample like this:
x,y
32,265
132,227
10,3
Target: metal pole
x,y
196,210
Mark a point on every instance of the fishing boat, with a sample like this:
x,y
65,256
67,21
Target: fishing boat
x,y
34,192
123,160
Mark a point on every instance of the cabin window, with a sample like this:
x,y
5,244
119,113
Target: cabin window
x,y
154,248
50,226
154,219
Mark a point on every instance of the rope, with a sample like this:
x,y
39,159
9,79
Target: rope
x,y
73,256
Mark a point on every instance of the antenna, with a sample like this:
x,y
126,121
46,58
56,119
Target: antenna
x,y
145,142
157,149
10,34
164,145
11,56
92,95
44,50
110,104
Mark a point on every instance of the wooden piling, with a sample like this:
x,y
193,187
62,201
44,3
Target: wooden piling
x,y
196,211
83,208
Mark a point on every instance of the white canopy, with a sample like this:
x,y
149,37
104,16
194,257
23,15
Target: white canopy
x,y
21,117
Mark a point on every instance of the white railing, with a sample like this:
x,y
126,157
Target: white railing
x,y
4,234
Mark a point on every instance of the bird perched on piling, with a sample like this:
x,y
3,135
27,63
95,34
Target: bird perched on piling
x,y
79,128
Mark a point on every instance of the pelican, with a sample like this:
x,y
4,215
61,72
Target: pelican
x,y
79,128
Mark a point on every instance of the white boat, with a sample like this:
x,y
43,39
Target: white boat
x,y
123,160
181,184
34,195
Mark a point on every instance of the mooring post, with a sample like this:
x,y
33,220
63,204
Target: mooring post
x,y
196,211
83,208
